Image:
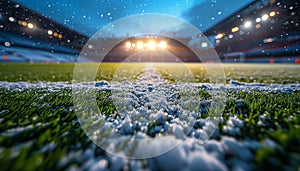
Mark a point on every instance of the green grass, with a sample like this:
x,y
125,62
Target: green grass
x,y
52,130
48,129
282,124
52,121
262,73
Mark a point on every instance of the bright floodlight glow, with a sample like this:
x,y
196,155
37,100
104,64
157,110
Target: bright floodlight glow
x,y
247,24
11,19
60,36
128,45
258,20
163,45
24,23
268,40
273,13
151,44
50,32
133,45
204,44
140,45
7,44
235,29
30,25
265,17
219,36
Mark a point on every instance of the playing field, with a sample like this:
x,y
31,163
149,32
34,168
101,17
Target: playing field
x,y
261,73
258,129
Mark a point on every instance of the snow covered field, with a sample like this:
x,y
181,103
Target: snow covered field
x,y
177,127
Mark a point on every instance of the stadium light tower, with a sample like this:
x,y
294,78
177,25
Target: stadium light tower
x,y
151,44
272,14
30,25
219,36
50,32
128,45
163,45
247,24
235,29
265,17
140,45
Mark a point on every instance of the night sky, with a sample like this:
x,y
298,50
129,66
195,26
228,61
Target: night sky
x,y
88,16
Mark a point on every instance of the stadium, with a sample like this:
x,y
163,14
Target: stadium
x,y
168,85
261,31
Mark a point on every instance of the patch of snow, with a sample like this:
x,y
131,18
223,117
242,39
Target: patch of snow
x,y
172,160
234,148
204,161
16,131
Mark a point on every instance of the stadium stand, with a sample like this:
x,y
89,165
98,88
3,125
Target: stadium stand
x,y
262,31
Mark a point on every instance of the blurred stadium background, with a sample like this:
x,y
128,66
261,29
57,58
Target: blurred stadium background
x,y
263,31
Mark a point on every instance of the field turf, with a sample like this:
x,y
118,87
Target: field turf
x,y
261,73
39,129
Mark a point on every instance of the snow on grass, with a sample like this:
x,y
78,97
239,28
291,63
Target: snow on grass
x,y
250,128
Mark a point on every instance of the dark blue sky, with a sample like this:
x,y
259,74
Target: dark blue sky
x,y
88,16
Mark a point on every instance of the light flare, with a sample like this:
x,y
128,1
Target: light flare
x,y
151,45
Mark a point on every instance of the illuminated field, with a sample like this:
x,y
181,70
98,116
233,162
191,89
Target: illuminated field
x,y
261,73
258,129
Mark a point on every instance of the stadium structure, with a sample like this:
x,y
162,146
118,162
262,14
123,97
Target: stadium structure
x,y
262,31
27,36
